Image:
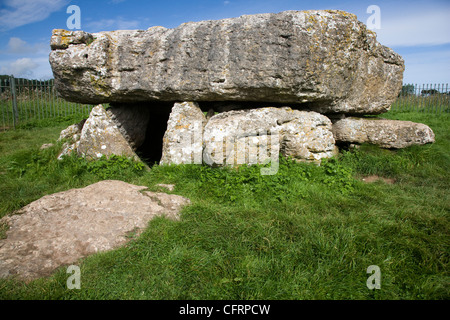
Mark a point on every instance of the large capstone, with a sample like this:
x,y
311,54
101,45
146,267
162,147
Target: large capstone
x,y
327,61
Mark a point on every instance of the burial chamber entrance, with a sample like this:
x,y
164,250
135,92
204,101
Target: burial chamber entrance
x,y
150,151
144,124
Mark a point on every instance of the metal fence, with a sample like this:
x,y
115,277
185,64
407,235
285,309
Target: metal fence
x,y
429,98
22,101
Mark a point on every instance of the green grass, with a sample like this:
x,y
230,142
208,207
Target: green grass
x,y
436,103
308,232
37,109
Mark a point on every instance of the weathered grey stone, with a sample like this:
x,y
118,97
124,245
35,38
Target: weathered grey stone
x,y
72,136
63,38
68,149
325,59
72,132
46,146
132,122
252,136
61,228
308,137
169,187
101,136
182,142
385,133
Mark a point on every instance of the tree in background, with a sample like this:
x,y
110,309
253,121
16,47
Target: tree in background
x,y
407,89
429,92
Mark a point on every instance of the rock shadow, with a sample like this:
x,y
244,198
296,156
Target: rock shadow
x,y
150,151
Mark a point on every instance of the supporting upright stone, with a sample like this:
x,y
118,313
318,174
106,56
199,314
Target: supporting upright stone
x,y
131,121
101,136
182,142
246,136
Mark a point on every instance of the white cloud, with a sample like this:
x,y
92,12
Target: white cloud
x,y
419,27
19,46
113,24
44,70
23,59
22,12
20,68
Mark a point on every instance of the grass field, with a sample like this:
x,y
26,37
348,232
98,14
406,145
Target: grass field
x,y
308,232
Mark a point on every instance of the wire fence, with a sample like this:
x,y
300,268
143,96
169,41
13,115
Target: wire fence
x,y
428,98
23,101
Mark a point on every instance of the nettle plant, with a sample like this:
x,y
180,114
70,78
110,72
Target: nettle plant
x,y
337,175
246,183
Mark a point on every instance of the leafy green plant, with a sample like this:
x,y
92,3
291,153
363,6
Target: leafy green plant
x,y
114,166
337,175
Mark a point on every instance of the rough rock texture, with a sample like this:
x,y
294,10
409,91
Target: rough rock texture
x,y
72,132
101,136
251,136
327,59
132,122
59,229
382,132
72,136
308,137
183,139
117,130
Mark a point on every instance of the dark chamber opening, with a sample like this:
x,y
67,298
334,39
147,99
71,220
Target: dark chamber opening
x,y
150,151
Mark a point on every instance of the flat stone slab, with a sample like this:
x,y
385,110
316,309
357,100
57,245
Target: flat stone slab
x,y
325,59
61,228
385,133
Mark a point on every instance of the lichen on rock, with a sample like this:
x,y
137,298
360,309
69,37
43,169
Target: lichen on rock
x,y
327,59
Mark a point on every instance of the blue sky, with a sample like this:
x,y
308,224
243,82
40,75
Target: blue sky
x,y
418,30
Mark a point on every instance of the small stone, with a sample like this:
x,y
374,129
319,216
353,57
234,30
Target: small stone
x,y
169,187
46,146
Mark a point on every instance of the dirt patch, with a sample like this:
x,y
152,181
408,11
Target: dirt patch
x,y
61,228
374,178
